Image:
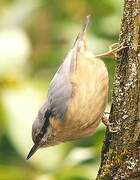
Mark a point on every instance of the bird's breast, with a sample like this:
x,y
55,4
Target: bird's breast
x,y
88,100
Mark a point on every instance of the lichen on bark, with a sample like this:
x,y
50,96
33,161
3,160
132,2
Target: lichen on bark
x,y
120,157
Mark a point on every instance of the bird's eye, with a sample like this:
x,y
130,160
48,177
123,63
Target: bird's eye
x,y
38,137
41,133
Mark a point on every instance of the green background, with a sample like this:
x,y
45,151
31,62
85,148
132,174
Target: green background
x,y
35,36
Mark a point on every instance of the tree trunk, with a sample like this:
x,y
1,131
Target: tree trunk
x,y
120,157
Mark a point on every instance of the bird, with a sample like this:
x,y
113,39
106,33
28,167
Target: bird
x,y
76,100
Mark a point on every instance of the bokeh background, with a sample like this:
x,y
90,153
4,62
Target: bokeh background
x,y
35,35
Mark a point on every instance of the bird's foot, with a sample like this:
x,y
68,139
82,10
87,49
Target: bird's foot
x,y
106,122
113,50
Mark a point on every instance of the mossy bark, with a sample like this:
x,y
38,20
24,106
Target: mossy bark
x,y
120,157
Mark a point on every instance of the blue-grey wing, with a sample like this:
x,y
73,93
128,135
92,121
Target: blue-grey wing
x,y
60,89
59,94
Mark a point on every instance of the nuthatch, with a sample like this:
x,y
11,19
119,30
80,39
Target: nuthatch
x,y
77,98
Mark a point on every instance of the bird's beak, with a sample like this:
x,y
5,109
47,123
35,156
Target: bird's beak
x,y
33,150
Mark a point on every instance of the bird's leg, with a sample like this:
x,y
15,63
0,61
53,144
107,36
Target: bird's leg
x,y
106,122
113,50
106,112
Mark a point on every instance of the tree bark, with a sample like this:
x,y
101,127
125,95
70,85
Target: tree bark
x,y
120,158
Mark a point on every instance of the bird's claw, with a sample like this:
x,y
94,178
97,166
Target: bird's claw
x,y
106,112
108,124
110,128
113,50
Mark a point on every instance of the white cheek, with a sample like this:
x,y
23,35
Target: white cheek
x,y
47,135
49,132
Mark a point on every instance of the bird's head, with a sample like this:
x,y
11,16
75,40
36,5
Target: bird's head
x,y
41,130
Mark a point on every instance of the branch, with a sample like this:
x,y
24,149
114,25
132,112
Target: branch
x,y
120,157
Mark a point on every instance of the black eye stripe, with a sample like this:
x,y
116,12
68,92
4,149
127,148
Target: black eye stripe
x,y
44,127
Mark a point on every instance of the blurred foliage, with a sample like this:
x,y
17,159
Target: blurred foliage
x,y
35,36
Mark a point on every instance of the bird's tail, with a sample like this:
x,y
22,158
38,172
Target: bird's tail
x,y
85,24
81,35
80,45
